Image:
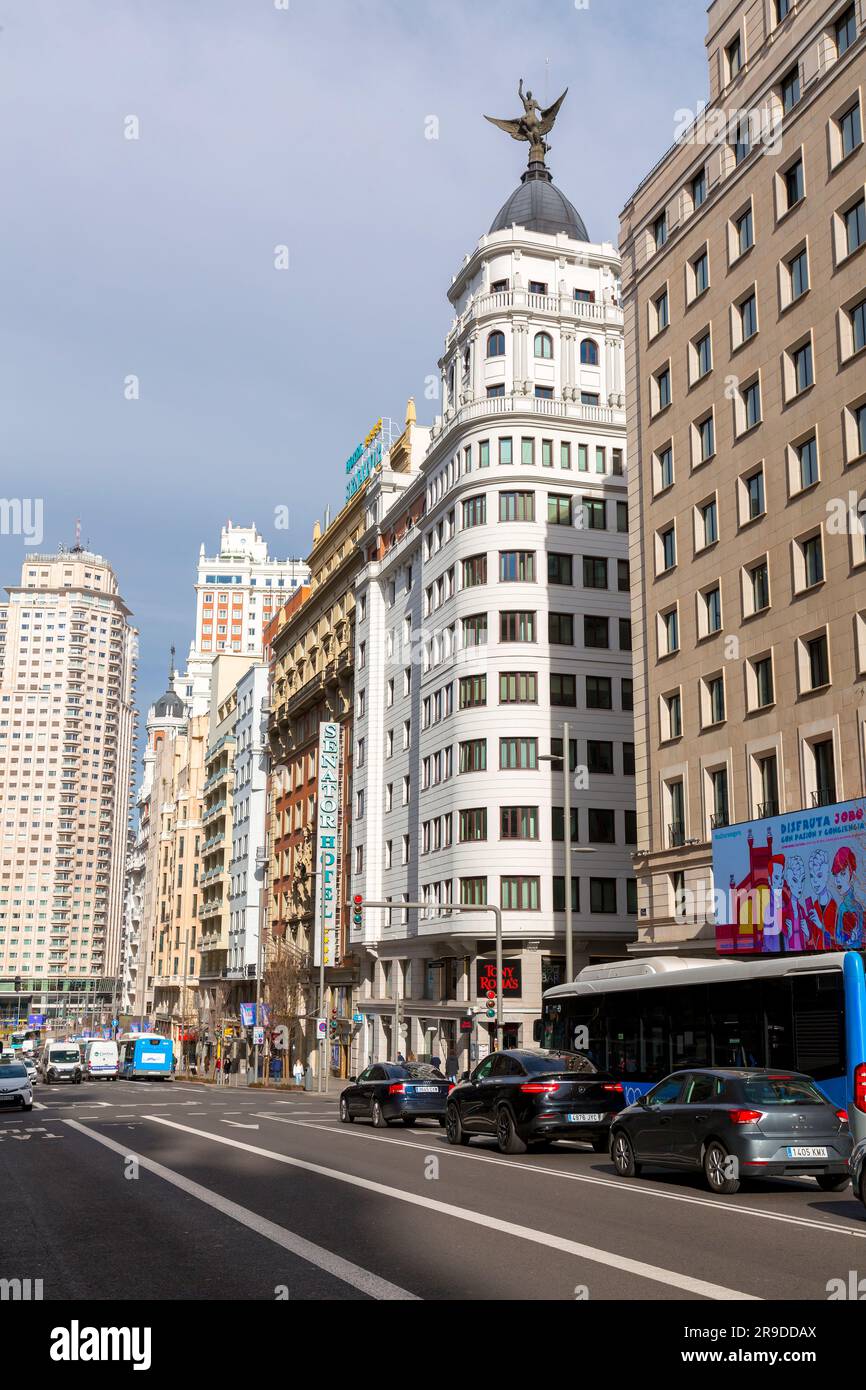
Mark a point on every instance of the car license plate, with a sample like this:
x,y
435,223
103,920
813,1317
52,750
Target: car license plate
x,y
585,1118
427,1090
798,1151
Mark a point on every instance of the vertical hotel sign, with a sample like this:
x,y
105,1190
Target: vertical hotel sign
x,y
327,845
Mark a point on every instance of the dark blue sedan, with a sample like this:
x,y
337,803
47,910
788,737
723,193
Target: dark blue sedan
x,y
389,1091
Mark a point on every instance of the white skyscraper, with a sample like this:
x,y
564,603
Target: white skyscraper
x,y
238,591
67,726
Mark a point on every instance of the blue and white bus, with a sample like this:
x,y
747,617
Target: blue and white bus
x,y
642,1019
145,1054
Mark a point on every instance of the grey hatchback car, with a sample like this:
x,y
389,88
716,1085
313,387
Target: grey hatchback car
x,y
735,1123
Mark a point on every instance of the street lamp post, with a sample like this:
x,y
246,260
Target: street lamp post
x,y
566,811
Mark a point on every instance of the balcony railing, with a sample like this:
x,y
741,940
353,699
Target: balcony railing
x,y
823,796
718,820
676,834
768,808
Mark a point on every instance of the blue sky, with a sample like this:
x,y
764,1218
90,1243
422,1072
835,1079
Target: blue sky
x,y
260,127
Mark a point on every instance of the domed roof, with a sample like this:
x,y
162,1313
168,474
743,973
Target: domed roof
x,y
168,706
539,206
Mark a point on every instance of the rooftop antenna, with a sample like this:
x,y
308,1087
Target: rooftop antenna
x,y
171,666
76,549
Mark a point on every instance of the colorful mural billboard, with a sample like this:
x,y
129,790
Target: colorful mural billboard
x,y
792,883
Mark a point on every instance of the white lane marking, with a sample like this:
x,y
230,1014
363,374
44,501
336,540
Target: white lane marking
x,y
37,1105
362,1279
700,1287
617,1184
235,1124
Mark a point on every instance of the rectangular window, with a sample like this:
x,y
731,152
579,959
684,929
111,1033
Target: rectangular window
x,y
563,690
794,186
473,691
475,510
595,631
745,232
505,454
473,755
518,754
790,90
474,571
519,893
855,226
518,822
558,509
594,572
602,895
473,891
527,451
517,566
517,506
516,626
594,514
518,688
846,30
599,692
560,629
473,824
559,568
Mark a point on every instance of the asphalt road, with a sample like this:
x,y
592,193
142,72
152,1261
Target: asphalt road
x,y
239,1195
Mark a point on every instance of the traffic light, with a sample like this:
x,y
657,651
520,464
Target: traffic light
x,y
357,912
17,984
491,1003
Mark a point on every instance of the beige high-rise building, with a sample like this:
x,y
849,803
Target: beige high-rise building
x,y
744,285
67,727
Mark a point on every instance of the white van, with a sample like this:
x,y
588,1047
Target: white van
x,y
61,1061
100,1059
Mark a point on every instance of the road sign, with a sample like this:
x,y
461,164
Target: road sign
x,y
258,1037
321,1027
357,1018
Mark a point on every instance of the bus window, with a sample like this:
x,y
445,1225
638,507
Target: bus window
x,y
735,1025
777,1022
688,1015
623,1033
655,1050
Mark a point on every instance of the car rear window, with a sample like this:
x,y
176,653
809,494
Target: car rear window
x,y
780,1090
419,1071
544,1063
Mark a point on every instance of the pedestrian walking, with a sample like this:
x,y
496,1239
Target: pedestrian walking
x,y
227,1070
298,1072
436,1062
452,1067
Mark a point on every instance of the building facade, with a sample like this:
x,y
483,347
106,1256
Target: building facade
x,y
67,730
248,863
743,282
312,642
492,609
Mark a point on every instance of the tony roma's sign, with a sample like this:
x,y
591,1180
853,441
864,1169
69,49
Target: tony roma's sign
x,y
486,978
327,845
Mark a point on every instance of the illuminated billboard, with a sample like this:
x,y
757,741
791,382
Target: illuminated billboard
x,y
792,883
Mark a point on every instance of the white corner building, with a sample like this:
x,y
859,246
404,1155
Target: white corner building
x,y
494,607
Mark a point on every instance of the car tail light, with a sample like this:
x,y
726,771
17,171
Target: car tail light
x,y
745,1117
451,1085
396,1089
860,1087
534,1087
612,1086
842,1116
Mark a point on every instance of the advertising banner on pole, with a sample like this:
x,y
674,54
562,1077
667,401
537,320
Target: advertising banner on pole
x,y
327,844
792,883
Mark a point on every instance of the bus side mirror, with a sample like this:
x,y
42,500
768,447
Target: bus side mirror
x,y
536,1030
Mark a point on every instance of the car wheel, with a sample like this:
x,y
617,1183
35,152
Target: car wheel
x,y
379,1121
828,1183
507,1138
715,1165
454,1128
600,1145
622,1152
409,1120
861,1186
346,1118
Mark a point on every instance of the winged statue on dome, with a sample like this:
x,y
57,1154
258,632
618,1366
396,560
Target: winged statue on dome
x,y
533,125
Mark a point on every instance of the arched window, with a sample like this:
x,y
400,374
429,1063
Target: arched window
x,y
496,344
589,352
543,345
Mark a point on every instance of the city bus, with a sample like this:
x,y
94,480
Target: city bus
x,y
145,1055
642,1019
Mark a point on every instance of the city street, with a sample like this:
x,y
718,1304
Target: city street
x,y
197,1193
